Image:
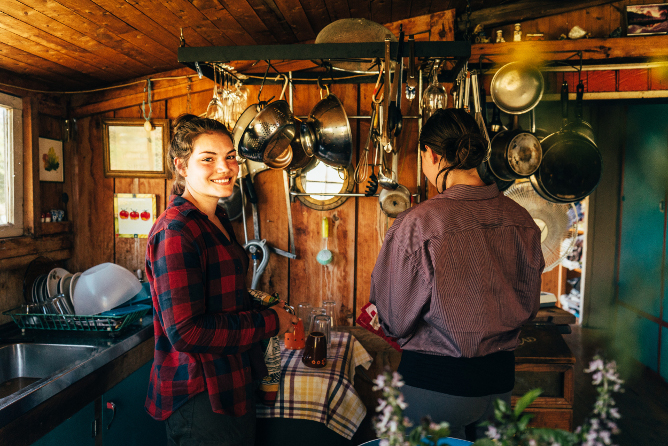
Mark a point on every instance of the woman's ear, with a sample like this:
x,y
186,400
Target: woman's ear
x,y
433,156
180,167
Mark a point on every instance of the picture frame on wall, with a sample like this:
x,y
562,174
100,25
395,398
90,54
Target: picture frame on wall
x,y
131,151
51,162
644,20
134,215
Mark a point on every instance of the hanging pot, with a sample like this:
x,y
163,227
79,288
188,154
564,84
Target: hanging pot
x,y
268,136
488,177
299,157
515,154
517,88
394,202
572,165
327,133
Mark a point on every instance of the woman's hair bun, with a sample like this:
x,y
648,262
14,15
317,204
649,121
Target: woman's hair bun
x,y
471,150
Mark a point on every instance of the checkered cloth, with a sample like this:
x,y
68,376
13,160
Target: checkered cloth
x,y
325,395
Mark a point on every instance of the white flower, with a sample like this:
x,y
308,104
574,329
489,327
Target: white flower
x,y
396,380
401,403
384,442
596,364
493,433
614,413
597,378
379,382
605,436
532,442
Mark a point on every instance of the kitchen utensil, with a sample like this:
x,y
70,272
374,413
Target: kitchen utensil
x,y
268,136
515,154
496,125
295,340
232,204
394,202
304,313
394,117
299,156
477,108
315,311
362,169
331,311
323,324
571,167
488,177
315,350
353,30
411,82
73,284
324,257
434,96
579,125
386,178
556,221
517,87
52,280
328,129
103,287
242,124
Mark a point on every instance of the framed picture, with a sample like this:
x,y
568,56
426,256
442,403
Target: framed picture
x,y
131,151
644,20
134,214
51,160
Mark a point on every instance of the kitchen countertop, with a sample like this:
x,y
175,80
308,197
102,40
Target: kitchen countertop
x,y
109,349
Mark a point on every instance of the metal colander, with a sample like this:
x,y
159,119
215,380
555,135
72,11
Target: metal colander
x,y
267,138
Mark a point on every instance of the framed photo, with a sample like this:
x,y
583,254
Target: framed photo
x,y
51,160
644,20
131,151
134,214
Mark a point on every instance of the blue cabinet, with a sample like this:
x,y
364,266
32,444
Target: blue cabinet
x,y
128,424
77,430
642,271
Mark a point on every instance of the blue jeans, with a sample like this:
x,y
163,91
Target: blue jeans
x,y
464,413
196,424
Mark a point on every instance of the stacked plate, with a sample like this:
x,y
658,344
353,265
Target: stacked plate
x,y
47,287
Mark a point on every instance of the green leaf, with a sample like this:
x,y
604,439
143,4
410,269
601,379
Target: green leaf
x,y
524,421
561,437
484,442
526,401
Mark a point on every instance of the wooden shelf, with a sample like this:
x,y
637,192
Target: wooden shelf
x,y
57,227
608,49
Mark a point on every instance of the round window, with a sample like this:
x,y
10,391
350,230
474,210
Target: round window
x,y
319,180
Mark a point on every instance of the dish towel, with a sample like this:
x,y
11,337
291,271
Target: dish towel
x,y
272,352
368,319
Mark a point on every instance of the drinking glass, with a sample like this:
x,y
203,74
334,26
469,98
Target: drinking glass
x,y
322,323
331,311
304,313
315,311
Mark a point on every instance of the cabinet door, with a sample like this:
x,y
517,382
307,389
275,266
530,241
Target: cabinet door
x,y
76,430
131,425
644,190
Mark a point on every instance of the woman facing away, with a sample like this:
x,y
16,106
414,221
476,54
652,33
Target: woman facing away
x,y
207,358
456,278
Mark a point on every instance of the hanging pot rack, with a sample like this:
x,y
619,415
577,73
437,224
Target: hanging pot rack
x,y
201,59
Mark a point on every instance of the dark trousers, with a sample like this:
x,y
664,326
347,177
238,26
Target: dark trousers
x,y
196,424
464,413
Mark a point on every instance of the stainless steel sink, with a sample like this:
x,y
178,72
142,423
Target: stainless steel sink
x,y
23,364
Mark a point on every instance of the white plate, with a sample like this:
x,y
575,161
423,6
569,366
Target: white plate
x,y
36,287
73,283
64,284
42,292
52,281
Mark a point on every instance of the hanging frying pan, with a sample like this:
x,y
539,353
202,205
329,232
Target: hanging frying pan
x,y
571,167
515,153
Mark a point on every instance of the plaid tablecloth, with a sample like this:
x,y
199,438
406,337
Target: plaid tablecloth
x,y
325,395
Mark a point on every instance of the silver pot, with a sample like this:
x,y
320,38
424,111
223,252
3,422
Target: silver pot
x,y
517,88
327,133
394,202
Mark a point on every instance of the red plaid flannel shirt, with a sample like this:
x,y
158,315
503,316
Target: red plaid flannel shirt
x,y
203,320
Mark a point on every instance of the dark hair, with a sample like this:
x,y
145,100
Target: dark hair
x,y
186,130
455,136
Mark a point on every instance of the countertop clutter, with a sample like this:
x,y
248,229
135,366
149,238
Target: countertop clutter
x,y
48,402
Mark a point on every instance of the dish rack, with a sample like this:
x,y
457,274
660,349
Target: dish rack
x,y
70,322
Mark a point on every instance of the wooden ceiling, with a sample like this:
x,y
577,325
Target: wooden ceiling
x,y
79,44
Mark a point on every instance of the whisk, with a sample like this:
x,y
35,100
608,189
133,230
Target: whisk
x,y
362,169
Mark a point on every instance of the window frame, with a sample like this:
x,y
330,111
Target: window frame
x,y
15,104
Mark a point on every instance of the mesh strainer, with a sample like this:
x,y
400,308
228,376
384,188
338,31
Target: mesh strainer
x,y
267,138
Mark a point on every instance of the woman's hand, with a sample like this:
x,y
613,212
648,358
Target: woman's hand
x,y
285,319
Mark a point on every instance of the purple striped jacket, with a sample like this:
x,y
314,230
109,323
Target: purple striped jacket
x,y
459,274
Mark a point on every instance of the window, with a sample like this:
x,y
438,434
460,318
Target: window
x,y
11,166
318,179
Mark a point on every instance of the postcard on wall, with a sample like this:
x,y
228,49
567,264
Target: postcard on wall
x,y
134,214
51,160
647,19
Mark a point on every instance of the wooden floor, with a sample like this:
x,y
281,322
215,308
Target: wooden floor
x,y
643,405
